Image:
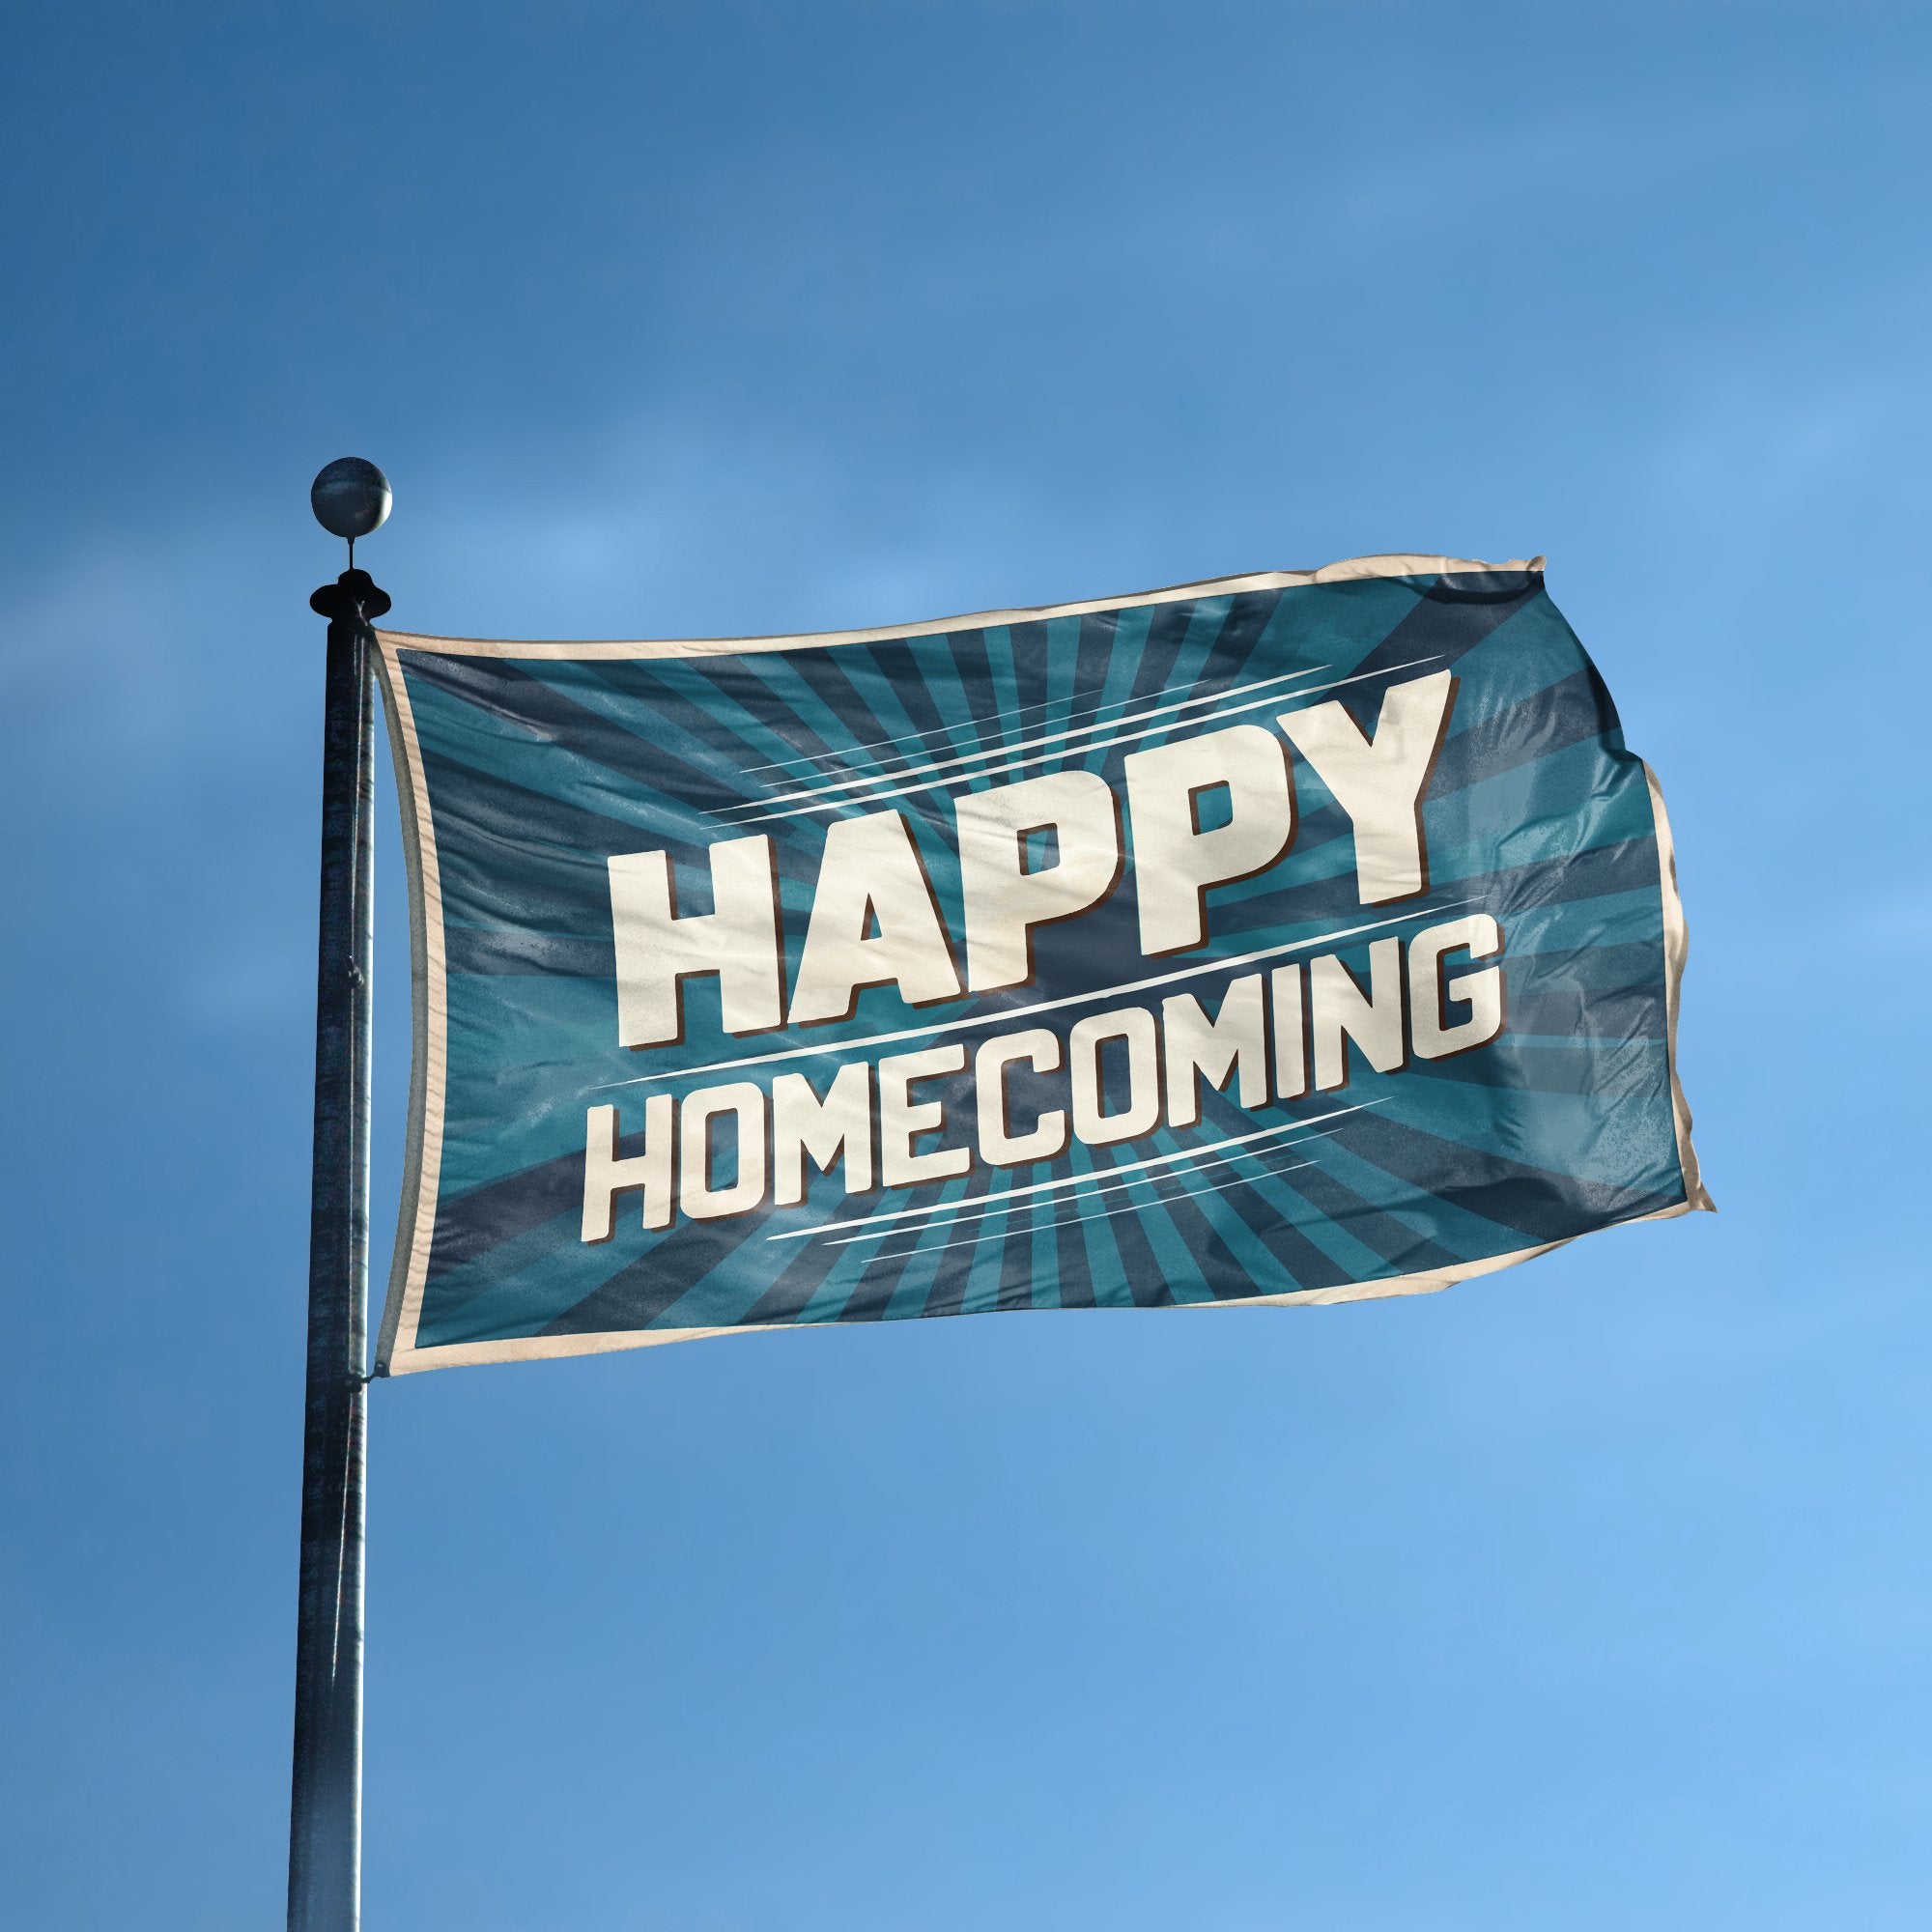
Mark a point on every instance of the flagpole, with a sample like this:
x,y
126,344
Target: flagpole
x,y
351,498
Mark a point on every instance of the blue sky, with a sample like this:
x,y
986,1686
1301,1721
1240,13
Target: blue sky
x,y
1591,1595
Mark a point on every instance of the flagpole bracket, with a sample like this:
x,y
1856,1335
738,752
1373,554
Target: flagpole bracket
x,y
353,598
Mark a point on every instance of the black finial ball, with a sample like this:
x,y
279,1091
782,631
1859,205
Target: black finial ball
x,y
349,496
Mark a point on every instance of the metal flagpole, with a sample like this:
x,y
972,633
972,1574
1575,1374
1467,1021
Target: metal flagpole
x,y
351,497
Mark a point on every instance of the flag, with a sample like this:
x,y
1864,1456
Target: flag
x,y
1297,937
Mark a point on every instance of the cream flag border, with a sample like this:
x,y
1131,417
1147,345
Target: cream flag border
x,y
396,1352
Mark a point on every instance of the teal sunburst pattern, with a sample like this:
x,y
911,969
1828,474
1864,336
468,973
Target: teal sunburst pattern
x,y
529,767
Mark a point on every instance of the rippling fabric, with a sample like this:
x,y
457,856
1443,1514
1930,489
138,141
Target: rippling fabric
x,y
525,768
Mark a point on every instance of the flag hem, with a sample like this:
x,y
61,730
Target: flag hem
x,y
1676,950
422,1158
1350,569
545,1347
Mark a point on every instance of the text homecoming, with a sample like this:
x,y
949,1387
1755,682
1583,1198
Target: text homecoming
x,y
1122,1072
